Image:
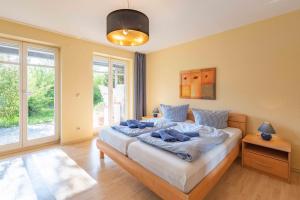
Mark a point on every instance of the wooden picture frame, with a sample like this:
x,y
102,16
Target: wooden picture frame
x,y
198,84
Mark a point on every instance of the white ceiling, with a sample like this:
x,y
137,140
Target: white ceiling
x,y
171,21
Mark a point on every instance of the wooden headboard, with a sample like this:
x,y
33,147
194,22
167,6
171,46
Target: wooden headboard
x,y
235,120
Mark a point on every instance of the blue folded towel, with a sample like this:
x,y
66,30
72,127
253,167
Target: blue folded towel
x,y
142,126
137,124
133,123
148,124
165,136
192,134
155,134
178,135
123,123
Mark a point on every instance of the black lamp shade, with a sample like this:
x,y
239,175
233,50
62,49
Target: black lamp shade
x,y
127,27
267,128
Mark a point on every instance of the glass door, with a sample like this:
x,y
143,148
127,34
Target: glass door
x,y
109,90
10,95
28,94
119,90
40,97
101,114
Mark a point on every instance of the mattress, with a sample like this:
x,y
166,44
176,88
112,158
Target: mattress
x,y
115,139
179,173
120,141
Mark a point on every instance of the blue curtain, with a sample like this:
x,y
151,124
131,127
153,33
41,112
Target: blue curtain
x,y
139,85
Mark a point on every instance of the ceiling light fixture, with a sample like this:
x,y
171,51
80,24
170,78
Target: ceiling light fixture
x,y
127,27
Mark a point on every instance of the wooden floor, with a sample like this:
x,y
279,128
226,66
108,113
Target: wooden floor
x,y
115,183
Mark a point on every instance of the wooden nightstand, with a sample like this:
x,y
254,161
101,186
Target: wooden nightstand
x,y
149,117
272,157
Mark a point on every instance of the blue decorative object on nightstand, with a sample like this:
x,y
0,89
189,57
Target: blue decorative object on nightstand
x,y
266,130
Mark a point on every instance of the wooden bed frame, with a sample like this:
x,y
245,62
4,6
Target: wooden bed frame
x,y
161,187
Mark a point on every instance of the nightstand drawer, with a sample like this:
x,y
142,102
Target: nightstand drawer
x,y
266,164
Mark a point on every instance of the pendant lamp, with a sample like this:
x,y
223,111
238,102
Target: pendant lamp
x,y
127,27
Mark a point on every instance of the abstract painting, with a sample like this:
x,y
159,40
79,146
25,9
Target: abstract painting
x,y
198,84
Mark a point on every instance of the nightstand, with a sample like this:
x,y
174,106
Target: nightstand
x,y
149,117
272,157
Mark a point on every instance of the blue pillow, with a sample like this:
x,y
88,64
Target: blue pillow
x,y
174,113
216,119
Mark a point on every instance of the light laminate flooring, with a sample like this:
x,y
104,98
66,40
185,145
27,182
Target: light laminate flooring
x,y
114,183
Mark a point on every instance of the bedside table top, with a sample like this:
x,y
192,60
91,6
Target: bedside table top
x,y
150,117
274,143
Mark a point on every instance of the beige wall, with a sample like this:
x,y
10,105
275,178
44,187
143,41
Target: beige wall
x,y
76,75
258,73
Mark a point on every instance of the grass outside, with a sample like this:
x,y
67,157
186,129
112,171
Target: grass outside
x,y
6,123
46,115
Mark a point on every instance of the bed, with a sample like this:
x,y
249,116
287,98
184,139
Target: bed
x,y
121,142
182,174
169,187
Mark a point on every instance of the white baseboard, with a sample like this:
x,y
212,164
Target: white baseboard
x,y
77,140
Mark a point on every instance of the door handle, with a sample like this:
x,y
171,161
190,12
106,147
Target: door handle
x,y
27,93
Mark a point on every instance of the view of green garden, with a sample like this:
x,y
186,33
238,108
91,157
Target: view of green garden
x,y
99,79
40,101
9,95
100,88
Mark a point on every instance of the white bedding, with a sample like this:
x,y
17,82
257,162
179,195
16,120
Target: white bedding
x,y
120,141
183,175
115,139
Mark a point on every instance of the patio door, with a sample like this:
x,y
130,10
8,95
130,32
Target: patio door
x,y
39,94
10,95
28,100
110,87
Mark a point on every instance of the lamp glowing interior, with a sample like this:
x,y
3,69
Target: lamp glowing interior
x,y
127,37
